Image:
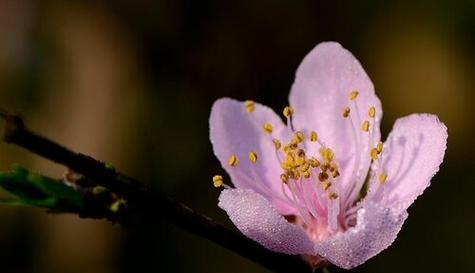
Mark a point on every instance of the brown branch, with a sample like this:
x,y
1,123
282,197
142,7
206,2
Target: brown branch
x,y
144,201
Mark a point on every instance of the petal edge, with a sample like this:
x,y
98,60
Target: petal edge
x,y
255,217
377,228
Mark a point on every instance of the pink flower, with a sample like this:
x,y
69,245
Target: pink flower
x,y
323,184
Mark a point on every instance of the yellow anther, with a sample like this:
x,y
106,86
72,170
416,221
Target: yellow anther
x,y
287,148
300,153
286,166
382,177
346,112
289,158
353,95
288,111
284,178
250,106
267,127
332,195
365,126
294,174
379,147
217,181
305,166
314,162
322,176
306,174
299,136
330,154
277,144
374,153
327,154
300,161
294,143
326,185
372,112
253,156
233,160
313,136
336,173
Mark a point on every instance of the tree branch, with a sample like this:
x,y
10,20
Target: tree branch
x,y
144,201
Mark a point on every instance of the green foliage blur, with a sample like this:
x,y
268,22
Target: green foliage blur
x,y
35,190
132,83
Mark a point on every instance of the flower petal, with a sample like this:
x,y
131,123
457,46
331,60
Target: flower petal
x,y
319,94
256,218
376,229
412,155
234,131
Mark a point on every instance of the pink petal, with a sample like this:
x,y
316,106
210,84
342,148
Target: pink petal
x,y
413,152
256,218
376,229
234,131
320,92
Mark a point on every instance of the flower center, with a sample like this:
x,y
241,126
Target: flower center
x,y
310,173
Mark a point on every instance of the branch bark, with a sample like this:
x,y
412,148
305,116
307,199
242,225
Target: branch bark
x,y
146,202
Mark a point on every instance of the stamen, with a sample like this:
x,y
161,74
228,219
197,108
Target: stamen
x,y
327,154
217,181
314,162
304,167
325,166
233,160
382,177
365,126
372,112
299,136
292,145
300,161
332,195
313,136
250,106
374,153
326,185
277,144
346,112
379,147
253,156
284,178
267,128
288,111
353,95
322,176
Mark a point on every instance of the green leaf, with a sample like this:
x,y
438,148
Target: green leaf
x,y
39,191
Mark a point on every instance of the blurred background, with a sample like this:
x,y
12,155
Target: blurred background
x,y
132,83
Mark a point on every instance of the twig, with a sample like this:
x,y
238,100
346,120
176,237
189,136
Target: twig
x,y
144,201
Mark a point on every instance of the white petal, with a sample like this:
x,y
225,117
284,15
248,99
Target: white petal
x,y
256,218
413,153
234,131
376,229
319,94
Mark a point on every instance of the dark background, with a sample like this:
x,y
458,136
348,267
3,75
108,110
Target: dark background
x,y
132,83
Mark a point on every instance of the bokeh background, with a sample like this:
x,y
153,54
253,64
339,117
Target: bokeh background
x,y
132,83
